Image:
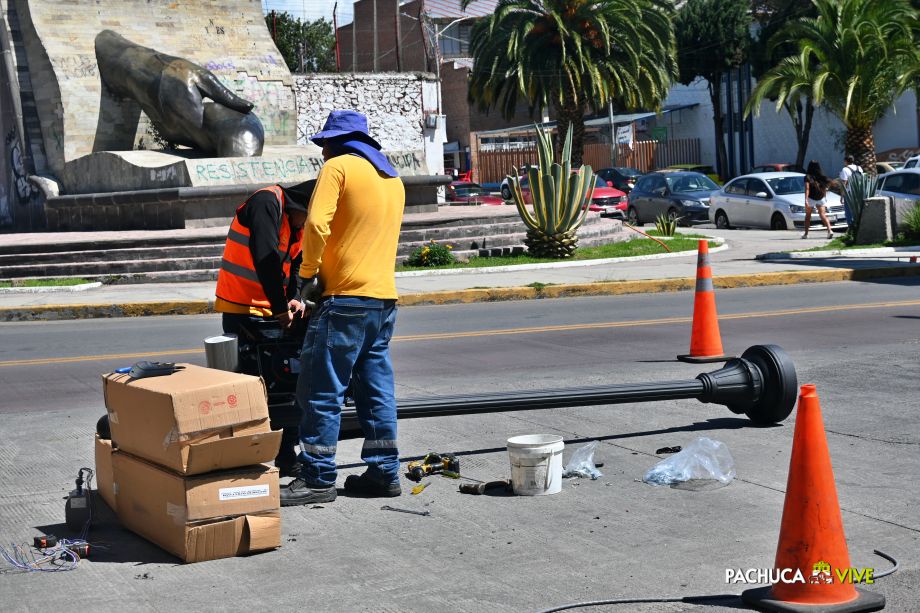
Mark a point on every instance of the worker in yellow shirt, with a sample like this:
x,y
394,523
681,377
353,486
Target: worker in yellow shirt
x,y
349,244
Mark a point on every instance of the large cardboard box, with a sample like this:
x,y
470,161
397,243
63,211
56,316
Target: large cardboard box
x,y
193,421
203,517
105,478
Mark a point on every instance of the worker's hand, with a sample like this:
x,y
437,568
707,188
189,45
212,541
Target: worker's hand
x,y
297,308
285,318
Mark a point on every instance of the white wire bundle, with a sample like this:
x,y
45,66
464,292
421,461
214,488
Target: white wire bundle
x,y
61,557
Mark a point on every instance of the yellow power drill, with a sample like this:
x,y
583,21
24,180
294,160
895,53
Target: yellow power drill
x,y
447,465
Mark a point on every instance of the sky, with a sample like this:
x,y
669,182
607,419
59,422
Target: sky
x,y
311,9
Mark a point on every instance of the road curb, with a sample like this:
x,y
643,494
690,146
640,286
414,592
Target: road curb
x,y
535,292
654,286
52,312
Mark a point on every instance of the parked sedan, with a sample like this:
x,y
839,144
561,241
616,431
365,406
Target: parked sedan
x,y
608,201
621,177
464,192
683,195
774,200
903,187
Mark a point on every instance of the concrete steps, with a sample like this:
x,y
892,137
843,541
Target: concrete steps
x,y
161,258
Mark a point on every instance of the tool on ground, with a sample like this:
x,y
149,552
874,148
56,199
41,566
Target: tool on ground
x,y
142,370
433,463
761,384
811,537
387,507
78,510
477,489
44,542
418,489
705,340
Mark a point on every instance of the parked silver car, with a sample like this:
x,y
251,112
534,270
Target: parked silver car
x,y
774,200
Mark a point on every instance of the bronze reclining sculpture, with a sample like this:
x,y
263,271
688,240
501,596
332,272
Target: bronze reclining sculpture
x,y
171,91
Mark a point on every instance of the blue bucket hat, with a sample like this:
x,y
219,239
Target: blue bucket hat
x,y
345,123
348,130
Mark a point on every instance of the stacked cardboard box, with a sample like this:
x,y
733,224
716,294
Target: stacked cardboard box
x,y
184,467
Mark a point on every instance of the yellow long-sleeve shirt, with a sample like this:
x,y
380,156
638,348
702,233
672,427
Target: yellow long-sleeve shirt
x,y
352,229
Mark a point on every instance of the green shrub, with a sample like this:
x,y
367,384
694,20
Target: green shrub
x,y
431,254
912,223
666,226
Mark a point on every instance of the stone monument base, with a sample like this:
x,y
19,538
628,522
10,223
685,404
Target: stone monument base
x,y
156,190
120,171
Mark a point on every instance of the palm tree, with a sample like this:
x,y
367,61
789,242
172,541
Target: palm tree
x,y
571,55
855,58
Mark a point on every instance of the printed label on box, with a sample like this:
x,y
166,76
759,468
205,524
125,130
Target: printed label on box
x,y
246,491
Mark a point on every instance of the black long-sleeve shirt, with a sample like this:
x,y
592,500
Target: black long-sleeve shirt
x,y
263,217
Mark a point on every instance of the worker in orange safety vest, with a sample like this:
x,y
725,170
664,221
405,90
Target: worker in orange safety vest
x,y
257,281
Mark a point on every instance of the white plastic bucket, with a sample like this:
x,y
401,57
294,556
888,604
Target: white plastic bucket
x,y
536,464
221,352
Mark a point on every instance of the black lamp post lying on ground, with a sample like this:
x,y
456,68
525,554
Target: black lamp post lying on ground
x,y
761,384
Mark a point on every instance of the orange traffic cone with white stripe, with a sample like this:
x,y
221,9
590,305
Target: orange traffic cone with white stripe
x,y
705,341
812,552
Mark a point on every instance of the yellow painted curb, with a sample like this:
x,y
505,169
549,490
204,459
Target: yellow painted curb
x,y
499,294
93,311
654,286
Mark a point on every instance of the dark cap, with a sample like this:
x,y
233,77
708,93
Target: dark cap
x,y
297,197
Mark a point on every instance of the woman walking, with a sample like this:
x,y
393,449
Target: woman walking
x,y
816,184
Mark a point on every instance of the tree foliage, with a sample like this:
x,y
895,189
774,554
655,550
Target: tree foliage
x,y
572,55
770,16
307,46
855,58
713,36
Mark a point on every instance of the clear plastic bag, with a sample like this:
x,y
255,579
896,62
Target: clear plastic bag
x,y
581,464
702,460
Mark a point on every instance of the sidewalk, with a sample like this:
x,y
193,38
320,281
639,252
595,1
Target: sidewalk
x,y
735,264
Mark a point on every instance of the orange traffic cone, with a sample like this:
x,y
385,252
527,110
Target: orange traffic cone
x,y
705,341
812,544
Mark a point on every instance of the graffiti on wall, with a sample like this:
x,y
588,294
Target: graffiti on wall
x,y
19,199
901,154
21,203
284,169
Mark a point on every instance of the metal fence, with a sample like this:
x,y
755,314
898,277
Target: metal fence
x,y
493,166
649,155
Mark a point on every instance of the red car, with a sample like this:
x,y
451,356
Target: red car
x,y
464,192
777,168
609,201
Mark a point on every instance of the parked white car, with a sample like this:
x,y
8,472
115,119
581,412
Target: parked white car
x,y
912,162
774,200
903,187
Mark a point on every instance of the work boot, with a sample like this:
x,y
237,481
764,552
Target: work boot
x,y
366,485
297,492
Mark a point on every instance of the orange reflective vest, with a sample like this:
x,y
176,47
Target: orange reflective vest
x,y
237,281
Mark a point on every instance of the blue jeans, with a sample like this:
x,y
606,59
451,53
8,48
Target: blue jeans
x,y
348,338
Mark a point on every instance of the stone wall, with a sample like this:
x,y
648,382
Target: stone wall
x,y
394,103
229,37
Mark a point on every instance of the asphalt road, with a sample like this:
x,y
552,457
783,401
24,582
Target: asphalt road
x,y
486,346
615,537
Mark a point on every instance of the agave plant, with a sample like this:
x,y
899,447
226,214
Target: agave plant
x,y
859,188
665,225
560,200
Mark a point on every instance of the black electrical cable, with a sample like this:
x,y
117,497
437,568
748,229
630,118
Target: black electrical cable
x,y
687,599
891,570
691,599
